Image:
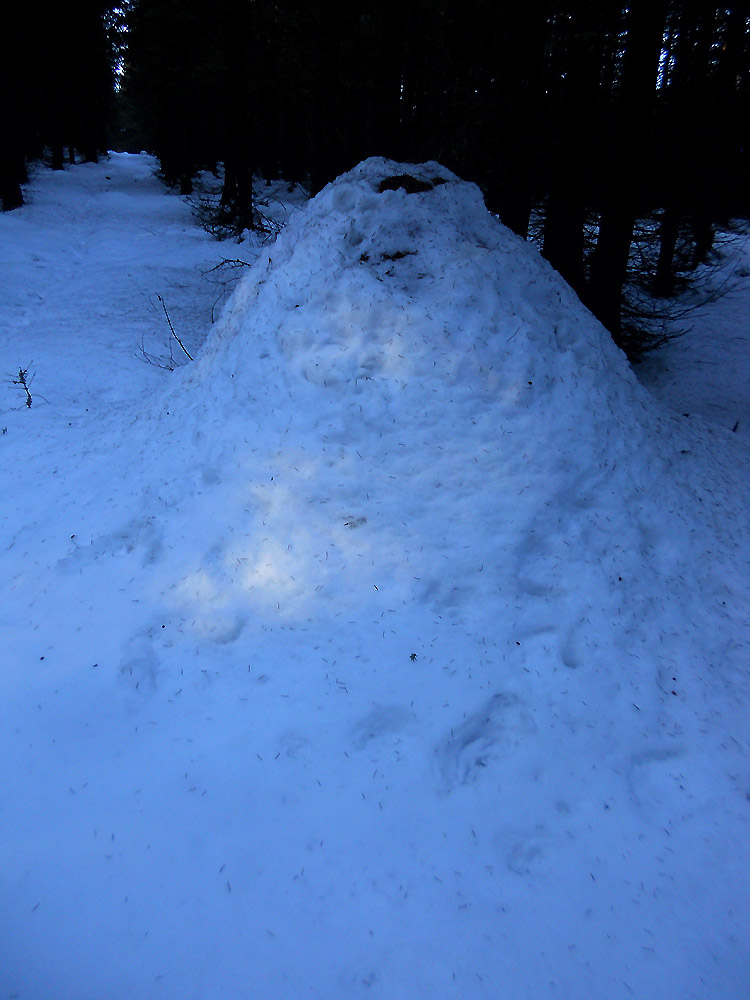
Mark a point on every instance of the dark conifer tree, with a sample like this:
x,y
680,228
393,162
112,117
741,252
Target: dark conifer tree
x,y
12,112
515,56
238,28
630,140
56,88
702,131
552,102
579,80
164,80
682,109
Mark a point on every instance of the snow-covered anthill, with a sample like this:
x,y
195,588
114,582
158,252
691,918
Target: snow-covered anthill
x,y
395,648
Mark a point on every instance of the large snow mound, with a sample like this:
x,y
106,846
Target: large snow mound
x,y
395,648
401,363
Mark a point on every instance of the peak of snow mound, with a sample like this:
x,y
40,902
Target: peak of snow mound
x,y
396,273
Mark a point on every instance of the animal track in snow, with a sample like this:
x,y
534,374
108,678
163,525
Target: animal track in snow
x,y
221,626
663,781
383,722
294,744
139,663
146,534
491,733
549,642
526,853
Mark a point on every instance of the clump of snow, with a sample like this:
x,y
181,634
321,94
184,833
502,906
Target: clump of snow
x,y
394,648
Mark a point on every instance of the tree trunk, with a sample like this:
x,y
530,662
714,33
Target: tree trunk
x,y
11,174
327,109
564,227
523,56
663,284
12,97
703,236
625,182
237,28
12,163
574,108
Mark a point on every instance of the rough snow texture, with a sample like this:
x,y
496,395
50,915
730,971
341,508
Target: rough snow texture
x,y
395,648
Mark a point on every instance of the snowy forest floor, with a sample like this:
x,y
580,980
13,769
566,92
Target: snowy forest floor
x,y
397,647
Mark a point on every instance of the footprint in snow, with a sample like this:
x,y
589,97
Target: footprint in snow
x,y
525,854
220,626
145,535
488,735
657,782
294,744
384,722
139,663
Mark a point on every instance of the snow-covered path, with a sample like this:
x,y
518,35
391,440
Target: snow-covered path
x,y
395,648
707,370
105,245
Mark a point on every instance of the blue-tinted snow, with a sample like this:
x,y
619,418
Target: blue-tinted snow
x,y
395,648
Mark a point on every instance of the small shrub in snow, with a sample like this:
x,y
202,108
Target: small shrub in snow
x,y
24,381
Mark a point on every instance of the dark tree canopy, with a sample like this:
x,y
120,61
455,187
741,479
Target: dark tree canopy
x,y
578,118
56,87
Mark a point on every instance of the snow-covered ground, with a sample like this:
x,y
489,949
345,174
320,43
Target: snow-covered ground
x,y
706,370
395,648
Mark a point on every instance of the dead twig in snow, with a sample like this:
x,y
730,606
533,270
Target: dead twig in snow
x,y
169,321
24,381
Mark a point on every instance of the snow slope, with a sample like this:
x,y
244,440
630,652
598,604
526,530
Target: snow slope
x,y
397,647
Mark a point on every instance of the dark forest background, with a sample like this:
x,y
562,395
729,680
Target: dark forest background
x,y
615,134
